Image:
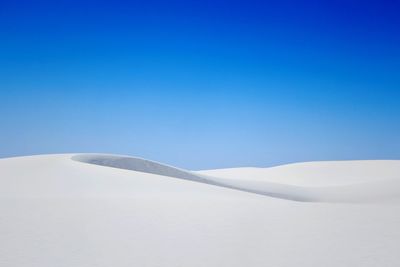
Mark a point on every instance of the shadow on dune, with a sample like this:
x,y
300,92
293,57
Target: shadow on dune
x,y
348,193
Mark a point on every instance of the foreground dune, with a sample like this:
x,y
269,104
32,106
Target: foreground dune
x,y
109,210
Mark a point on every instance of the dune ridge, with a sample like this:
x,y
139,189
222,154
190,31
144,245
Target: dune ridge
x,y
371,188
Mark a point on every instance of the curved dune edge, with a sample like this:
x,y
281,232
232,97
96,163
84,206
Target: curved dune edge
x,y
147,166
359,192
136,164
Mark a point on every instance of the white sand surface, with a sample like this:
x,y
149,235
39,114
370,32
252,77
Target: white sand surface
x,y
108,210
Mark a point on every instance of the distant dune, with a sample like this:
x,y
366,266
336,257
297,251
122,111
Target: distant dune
x,y
313,181
112,210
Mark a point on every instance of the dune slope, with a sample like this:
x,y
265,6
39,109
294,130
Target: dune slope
x,y
310,182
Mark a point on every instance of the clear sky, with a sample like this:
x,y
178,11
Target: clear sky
x,y
201,84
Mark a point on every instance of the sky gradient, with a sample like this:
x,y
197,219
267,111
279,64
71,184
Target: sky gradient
x,y
201,84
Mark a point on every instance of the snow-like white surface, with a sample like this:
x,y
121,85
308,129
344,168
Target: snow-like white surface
x,y
321,173
105,210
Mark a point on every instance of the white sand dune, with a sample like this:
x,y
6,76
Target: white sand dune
x,y
315,181
110,210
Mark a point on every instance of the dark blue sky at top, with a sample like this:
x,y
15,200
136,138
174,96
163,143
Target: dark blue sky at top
x,y
201,84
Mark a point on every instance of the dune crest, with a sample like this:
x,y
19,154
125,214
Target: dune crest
x,y
136,164
265,184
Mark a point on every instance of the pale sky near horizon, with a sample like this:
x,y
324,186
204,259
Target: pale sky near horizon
x,y
203,84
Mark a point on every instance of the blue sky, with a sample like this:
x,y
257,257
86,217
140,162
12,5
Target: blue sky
x,y
201,84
